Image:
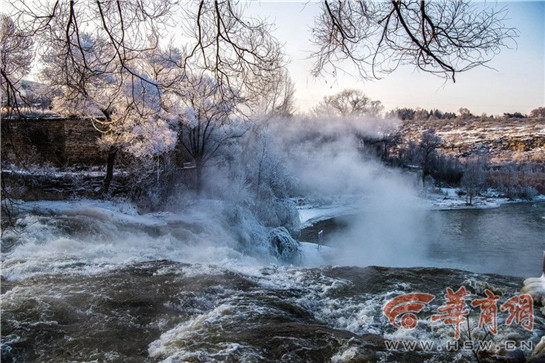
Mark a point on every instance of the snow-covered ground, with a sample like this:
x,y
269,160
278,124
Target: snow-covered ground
x,y
448,198
438,199
312,211
310,214
54,172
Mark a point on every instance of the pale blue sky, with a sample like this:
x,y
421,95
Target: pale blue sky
x,y
517,84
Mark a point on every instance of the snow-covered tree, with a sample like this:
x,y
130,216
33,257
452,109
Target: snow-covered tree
x,y
89,82
429,142
348,102
277,98
205,113
140,126
86,91
538,112
474,178
90,52
124,106
256,174
16,55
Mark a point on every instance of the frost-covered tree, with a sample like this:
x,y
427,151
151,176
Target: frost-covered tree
x,y
277,99
538,112
16,55
139,125
208,113
257,168
95,49
87,91
206,117
348,102
507,180
124,106
474,178
429,142
94,90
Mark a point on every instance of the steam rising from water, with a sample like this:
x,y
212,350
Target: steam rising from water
x,y
391,219
320,160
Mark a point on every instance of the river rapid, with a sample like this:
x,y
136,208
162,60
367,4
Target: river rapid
x,y
88,282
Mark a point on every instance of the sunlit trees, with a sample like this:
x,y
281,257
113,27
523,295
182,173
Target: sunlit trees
x,y
90,51
98,54
538,112
465,113
442,37
113,59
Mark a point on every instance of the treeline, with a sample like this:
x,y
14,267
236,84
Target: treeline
x,y
406,113
411,114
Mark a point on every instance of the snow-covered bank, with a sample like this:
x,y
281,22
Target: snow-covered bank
x,y
437,199
449,199
311,214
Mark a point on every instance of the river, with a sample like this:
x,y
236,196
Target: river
x,y
509,240
92,284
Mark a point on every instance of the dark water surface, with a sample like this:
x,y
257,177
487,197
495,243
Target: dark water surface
x,y
509,240
169,311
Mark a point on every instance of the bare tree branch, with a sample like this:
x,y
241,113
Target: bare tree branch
x,y
441,37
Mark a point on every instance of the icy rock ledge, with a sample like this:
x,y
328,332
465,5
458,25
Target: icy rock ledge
x,y
283,246
535,287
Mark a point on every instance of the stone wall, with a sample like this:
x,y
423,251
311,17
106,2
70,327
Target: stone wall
x,y
58,141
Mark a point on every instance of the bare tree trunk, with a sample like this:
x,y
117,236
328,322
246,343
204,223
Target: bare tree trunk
x,y
198,176
112,153
258,186
425,172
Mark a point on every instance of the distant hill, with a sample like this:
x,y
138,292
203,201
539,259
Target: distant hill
x,y
520,140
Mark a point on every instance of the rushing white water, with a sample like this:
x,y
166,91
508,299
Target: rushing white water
x,y
81,277
91,237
